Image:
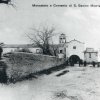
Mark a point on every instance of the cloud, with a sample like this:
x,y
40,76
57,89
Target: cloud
x,y
94,13
75,13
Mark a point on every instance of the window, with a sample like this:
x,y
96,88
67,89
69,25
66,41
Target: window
x,y
74,47
61,51
89,55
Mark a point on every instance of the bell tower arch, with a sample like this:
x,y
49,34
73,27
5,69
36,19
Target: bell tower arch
x,y
62,38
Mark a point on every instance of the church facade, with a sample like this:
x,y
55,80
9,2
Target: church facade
x,y
73,50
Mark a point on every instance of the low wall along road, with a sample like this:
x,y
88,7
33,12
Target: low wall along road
x,y
23,64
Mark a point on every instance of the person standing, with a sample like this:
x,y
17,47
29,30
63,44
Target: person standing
x,y
85,63
93,64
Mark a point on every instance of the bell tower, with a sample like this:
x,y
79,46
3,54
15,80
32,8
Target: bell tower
x,y
62,38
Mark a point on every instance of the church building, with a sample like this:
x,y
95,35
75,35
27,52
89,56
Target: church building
x,y
73,50
90,55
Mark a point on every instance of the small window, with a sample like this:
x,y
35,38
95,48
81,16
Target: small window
x,y
74,47
89,55
61,51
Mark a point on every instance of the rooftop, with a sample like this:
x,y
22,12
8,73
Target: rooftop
x,y
18,46
90,50
75,40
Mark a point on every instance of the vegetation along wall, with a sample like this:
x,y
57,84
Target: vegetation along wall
x,y
22,64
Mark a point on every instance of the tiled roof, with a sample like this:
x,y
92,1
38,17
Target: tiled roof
x,y
90,50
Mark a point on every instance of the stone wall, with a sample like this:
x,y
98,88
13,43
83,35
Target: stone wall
x,y
22,64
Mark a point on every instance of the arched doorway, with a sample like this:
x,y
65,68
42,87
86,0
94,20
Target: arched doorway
x,y
74,59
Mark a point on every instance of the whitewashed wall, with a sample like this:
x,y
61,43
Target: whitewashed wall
x,y
78,51
6,50
94,57
33,50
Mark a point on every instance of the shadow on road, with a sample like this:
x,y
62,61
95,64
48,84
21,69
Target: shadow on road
x,y
62,73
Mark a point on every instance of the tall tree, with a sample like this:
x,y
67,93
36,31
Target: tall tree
x,y
43,39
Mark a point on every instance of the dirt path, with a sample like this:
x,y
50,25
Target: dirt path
x,y
79,83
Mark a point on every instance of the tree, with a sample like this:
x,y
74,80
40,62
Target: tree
x,y
5,1
54,48
43,38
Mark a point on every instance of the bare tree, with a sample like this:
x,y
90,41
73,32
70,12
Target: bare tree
x,y
43,39
54,48
7,2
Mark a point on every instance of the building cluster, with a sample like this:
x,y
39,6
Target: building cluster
x,y
72,51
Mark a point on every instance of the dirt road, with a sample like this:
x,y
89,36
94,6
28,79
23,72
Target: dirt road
x,y
80,83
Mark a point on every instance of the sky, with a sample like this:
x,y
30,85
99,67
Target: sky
x,y
81,23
